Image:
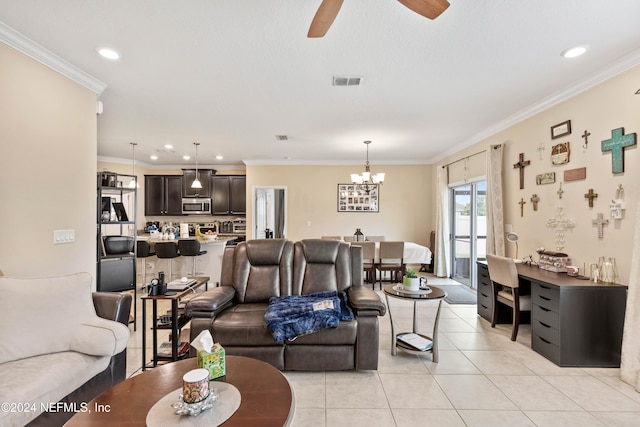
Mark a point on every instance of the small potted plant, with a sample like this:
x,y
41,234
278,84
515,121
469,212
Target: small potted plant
x,y
411,280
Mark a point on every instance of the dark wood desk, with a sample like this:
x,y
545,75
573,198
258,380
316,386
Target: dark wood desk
x,y
267,398
573,322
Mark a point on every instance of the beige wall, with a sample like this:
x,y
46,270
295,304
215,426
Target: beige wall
x,y
405,212
47,169
608,106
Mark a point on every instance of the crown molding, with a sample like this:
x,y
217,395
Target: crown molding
x,y
274,162
33,50
623,64
153,166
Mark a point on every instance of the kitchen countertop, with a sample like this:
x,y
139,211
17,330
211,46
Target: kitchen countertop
x,y
202,240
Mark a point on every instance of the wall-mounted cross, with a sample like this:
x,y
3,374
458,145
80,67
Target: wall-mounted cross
x,y
591,195
585,135
521,203
541,149
600,222
616,145
521,165
535,199
560,191
560,225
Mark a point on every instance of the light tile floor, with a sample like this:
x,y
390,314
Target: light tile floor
x,y
482,379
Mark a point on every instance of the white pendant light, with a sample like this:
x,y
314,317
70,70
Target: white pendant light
x,y
134,181
196,182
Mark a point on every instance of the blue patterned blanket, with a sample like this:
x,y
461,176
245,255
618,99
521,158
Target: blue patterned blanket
x,y
291,316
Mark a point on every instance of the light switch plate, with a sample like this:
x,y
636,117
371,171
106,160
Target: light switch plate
x,y
63,236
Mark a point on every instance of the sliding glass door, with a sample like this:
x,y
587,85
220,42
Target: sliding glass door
x,y
468,230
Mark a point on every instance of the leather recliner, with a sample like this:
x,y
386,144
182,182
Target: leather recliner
x,y
257,270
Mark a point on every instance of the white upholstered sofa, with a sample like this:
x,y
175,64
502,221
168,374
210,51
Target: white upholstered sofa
x,y
58,350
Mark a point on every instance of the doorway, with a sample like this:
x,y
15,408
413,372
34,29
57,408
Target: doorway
x,y
269,212
468,230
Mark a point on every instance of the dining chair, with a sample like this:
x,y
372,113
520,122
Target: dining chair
x,y
368,261
349,238
391,259
331,238
506,290
375,238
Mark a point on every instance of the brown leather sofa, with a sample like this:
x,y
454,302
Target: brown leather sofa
x,y
256,270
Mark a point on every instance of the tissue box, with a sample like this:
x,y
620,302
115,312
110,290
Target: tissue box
x,y
213,361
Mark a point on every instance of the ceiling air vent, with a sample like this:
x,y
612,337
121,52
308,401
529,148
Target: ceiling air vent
x,y
346,81
282,137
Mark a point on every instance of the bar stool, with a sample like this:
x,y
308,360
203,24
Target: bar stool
x,y
167,250
143,250
190,247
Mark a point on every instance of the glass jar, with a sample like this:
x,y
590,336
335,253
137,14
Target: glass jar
x,y
606,272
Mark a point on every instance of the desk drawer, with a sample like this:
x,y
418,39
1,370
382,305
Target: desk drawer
x,y
546,316
484,311
545,348
545,296
542,330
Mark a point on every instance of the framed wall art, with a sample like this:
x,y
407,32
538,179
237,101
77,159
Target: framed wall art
x,y
355,198
560,153
561,129
546,178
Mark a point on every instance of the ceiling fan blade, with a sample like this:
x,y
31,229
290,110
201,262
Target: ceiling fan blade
x,y
428,8
325,16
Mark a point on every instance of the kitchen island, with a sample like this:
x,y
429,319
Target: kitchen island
x,y
209,264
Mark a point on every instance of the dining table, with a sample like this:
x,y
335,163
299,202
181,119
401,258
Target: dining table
x,y
413,253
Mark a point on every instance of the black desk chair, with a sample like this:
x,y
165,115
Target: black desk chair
x,y
506,290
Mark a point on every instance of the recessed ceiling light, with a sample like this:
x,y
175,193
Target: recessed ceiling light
x,y
108,53
168,146
186,157
573,52
219,157
153,157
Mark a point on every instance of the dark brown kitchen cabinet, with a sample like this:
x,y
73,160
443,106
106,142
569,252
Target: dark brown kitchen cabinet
x,y
189,175
162,195
229,194
238,191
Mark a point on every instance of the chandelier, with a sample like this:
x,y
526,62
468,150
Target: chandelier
x,y
366,181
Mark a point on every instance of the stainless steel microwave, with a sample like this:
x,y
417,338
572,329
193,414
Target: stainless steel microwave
x,y
196,206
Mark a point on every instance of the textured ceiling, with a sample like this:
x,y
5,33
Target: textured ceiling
x,y
234,74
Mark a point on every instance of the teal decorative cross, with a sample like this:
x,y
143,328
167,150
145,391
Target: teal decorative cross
x,y
616,145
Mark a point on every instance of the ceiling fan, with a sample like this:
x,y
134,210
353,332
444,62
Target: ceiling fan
x,y
329,9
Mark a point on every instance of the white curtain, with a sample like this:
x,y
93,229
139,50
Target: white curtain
x,y
630,363
495,211
442,223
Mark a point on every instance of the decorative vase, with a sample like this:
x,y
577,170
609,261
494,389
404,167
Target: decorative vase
x,y
411,283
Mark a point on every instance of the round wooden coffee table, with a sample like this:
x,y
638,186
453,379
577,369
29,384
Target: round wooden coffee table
x,y
267,398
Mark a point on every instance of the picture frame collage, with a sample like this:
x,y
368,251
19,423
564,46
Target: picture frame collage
x,y
356,198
